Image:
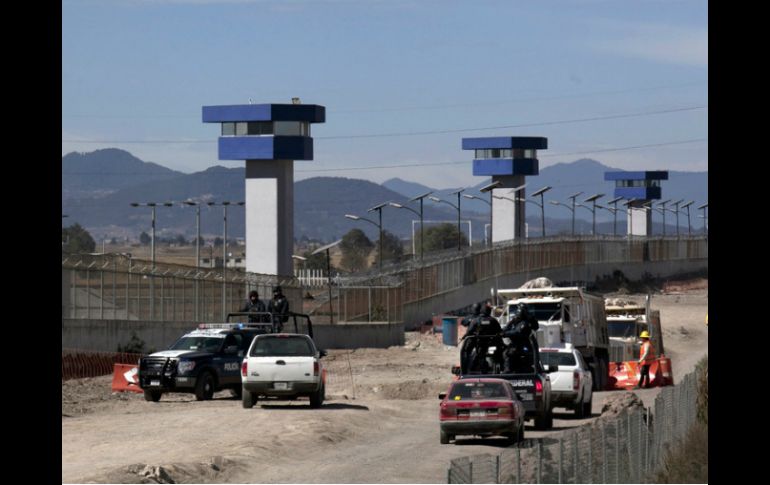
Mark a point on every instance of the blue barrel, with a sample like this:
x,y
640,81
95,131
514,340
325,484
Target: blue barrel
x,y
449,330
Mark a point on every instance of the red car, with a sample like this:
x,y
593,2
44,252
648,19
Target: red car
x,y
482,407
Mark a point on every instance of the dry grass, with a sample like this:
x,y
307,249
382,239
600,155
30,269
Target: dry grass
x,y
688,461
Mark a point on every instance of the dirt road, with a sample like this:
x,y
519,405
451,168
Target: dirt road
x,y
380,424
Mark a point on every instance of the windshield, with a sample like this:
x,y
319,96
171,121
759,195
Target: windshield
x,y
557,358
202,344
541,311
477,391
621,329
282,346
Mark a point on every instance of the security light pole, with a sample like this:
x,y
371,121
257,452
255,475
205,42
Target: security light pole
x,y
457,207
705,219
593,199
399,206
687,206
152,250
329,273
197,248
542,205
573,197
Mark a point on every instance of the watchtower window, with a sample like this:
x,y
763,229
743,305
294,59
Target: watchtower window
x,y
261,128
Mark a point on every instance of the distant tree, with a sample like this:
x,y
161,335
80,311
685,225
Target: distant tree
x,y
144,239
180,240
314,261
355,248
75,239
218,241
392,249
113,241
442,236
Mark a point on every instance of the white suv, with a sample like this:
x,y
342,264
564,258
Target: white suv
x,y
283,366
571,385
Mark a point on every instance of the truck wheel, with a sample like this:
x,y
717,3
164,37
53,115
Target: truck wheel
x,y
248,399
587,407
521,433
580,410
541,421
204,388
317,398
153,396
444,438
237,392
549,417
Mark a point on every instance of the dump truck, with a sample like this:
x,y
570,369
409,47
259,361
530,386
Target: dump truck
x,y
626,320
565,315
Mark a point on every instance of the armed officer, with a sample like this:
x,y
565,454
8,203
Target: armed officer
x,y
523,347
486,331
466,351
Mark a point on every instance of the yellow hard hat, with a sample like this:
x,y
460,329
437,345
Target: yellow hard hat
x,y
645,334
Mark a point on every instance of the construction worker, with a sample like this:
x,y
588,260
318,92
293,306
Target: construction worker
x,y
646,358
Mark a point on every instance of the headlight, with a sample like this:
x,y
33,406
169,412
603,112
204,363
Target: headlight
x,y
185,366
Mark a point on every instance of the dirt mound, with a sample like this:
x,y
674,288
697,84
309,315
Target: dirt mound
x,y
541,282
216,470
409,390
687,285
619,403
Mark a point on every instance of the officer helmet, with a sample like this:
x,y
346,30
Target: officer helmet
x,y
476,309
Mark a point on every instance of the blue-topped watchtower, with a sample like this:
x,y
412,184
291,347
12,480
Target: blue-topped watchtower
x,y
640,188
269,137
508,160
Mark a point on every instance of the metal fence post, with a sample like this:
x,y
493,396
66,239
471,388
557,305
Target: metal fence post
x,y
629,441
88,293
617,450
590,455
518,465
470,471
575,464
101,294
539,460
114,290
561,457
497,469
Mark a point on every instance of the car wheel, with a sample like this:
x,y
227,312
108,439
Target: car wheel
x,y
444,438
248,399
153,396
317,398
204,388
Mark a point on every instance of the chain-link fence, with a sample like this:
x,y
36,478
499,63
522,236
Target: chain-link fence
x,y
627,448
113,287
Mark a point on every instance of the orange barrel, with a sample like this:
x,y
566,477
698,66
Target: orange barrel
x,y
666,373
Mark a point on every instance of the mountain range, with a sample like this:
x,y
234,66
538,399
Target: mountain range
x,y
98,188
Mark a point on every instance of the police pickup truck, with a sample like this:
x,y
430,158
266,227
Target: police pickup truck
x,y
530,381
207,359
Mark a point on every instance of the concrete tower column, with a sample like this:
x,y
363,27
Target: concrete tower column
x,y
508,160
269,137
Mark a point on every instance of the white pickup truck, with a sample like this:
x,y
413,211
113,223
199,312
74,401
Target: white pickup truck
x,y
283,366
571,385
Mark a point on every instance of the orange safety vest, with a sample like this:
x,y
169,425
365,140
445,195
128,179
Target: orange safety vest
x,y
650,353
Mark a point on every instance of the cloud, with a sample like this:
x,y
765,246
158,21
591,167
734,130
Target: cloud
x,y
660,43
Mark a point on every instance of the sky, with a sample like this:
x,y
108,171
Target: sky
x,y
403,81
